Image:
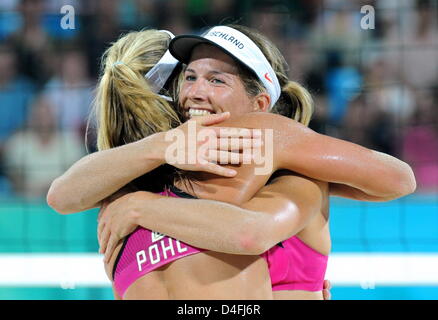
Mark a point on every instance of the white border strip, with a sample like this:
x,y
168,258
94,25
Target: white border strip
x,y
53,270
344,269
383,269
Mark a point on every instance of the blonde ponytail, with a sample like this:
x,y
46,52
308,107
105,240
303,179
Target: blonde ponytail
x,y
300,105
126,108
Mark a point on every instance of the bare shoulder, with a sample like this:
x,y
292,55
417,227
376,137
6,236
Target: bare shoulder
x,y
304,191
264,120
313,197
287,181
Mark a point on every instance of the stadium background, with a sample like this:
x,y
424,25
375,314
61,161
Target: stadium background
x,y
376,87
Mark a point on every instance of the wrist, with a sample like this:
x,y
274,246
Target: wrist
x,y
154,147
141,203
134,208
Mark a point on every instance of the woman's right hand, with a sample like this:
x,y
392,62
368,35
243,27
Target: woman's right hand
x,y
197,145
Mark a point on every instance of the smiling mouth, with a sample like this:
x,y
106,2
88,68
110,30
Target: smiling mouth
x,y
198,112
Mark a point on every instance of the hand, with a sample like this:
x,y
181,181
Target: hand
x,y
116,222
123,191
326,290
200,147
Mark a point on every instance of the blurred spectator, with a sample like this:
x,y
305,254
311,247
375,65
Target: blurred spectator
x,y
322,41
70,91
54,6
15,94
100,27
357,121
382,134
32,44
37,155
420,142
388,93
130,13
9,18
8,4
270,18
205,13
420,62
337,27
343,83
319,117
369,126
171,15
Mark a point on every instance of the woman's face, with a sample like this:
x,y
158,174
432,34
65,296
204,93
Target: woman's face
x,y
212,85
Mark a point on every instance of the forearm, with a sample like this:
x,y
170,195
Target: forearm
x,y
98,175
207,224
344,191
376,175
370,175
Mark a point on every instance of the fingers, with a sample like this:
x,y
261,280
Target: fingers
x,y
104,238
327,285
100,227
211,119
226,157
101,219
231,132
219,170
326,294
235,144
326,290
112,243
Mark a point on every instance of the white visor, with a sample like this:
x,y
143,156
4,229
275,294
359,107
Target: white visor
x,y
160,73
236,44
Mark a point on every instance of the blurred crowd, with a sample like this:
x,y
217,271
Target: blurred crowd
x,y
376,87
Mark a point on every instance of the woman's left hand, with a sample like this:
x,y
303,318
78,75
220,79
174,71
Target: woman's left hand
x,y
116,222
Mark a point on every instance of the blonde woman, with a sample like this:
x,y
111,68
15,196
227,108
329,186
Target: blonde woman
x,y
283,215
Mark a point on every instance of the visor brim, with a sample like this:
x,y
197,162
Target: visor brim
x,y
181,47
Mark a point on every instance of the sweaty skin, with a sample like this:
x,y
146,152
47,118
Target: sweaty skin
x,y
214,275
237,191
209,275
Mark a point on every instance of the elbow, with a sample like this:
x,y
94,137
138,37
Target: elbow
x,y
407,183
254,240
55,199
251,245
401,183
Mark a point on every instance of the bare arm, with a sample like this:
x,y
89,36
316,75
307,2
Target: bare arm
x,y
355,172
274,214
364,174
98,175
360,173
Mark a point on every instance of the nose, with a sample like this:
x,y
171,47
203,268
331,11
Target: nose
x,y
197,91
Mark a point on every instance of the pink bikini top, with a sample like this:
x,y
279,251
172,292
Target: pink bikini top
x,y
293,265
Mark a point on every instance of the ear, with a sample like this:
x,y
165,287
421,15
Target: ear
x,y
262,102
